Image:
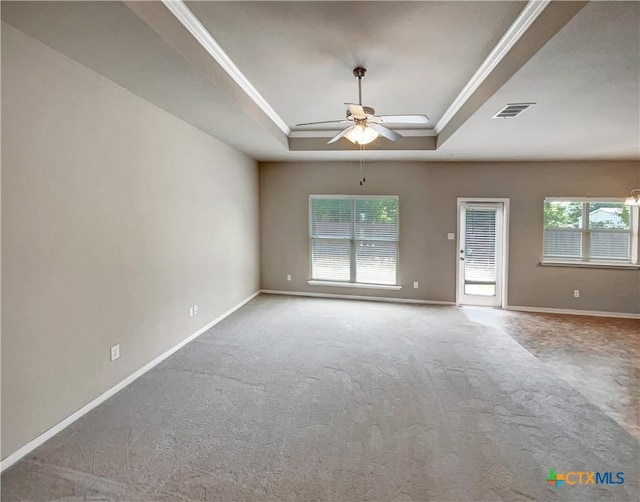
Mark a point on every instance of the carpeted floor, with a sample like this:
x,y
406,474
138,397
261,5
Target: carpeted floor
x,y
299,399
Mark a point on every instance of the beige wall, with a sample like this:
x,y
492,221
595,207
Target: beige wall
x,y
428,205
116,216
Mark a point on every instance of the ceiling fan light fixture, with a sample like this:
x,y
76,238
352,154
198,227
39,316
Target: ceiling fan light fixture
x,y
634,198
364,125
362,134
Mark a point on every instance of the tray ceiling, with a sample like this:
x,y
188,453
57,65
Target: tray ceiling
x,y
577,61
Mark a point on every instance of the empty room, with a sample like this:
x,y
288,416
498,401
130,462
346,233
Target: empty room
x,y
320,251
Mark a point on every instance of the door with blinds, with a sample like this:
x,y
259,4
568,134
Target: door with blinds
x,y
480,254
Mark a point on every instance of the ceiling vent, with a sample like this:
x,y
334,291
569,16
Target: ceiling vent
x,y
512,110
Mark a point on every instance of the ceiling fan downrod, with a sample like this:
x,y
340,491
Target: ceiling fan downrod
x,y
359,74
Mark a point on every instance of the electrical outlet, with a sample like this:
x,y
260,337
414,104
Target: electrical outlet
x,y
288,277
415,284
115,352
190,311
451,237
195,310
576,293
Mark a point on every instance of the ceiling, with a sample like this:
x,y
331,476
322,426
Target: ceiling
x,y
282,63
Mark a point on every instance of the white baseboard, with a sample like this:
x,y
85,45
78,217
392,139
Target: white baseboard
x,y
32,445
594,313
355,297
540,310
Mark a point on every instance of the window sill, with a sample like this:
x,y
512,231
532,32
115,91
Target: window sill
x,y
616,266
353,285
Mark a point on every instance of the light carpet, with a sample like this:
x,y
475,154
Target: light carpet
x,y
300,399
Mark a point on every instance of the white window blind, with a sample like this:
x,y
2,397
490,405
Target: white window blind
x,y
354,239
480,270
589,231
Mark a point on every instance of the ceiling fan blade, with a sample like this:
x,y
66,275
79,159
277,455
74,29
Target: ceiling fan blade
x,y
404,119
340,135
356,110
385,131
323,122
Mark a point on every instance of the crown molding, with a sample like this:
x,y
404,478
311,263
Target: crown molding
x,y
188,19
326,133
522,23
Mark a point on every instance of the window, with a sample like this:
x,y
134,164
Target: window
x,y
354,239
590,231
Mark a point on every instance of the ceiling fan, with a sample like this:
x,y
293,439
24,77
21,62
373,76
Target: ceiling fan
x,y
364,125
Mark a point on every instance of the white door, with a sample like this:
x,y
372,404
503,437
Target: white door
x,y
480,253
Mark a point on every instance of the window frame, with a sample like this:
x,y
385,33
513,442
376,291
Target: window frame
x,y
353,241
585,232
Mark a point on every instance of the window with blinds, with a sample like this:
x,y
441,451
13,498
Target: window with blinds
x,y
354,239
590,231
480,272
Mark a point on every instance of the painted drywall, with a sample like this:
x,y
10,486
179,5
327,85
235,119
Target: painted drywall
x,y
428,206
116,217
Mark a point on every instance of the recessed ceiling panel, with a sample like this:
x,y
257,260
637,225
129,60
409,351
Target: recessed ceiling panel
x,y
300,55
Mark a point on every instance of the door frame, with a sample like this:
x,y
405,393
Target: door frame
x,y
505,244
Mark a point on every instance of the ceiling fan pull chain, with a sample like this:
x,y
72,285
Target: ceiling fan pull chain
x,y
363,180
360,165
363,161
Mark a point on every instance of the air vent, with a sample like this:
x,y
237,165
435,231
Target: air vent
x,y
512,110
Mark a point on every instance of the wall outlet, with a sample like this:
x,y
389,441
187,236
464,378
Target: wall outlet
x,y
576,293
451,237
415,284
195,310
288,277
115,352
190,311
